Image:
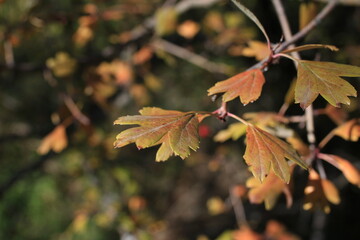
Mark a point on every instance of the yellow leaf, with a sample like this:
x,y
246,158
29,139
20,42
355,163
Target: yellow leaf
x,y
62,64
256,49
349,131
166,21
234,131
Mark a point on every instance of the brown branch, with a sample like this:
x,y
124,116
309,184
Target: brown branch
x,y
191,57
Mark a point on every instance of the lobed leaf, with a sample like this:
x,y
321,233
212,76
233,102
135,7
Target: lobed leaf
x,y
265,151
323,78
177,132
246,85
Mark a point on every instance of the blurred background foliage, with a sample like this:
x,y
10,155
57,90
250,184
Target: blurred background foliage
x,y
69,68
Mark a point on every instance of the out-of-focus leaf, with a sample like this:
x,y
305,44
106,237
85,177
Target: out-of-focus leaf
x,y
140,94
234,131
177,132
121,72
143,55
215,205
309,47
338,115
307,12
267,191
166,21
265,151
265,119
62,64
323,78
246,85
153,82
319,192
55,141
188,29
351,173
298,144
256,49
349,131
214,21
246,233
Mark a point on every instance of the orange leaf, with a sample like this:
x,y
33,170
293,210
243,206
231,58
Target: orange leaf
x,y
246,233
323,78
349,131
177,132
319,192
267,191
265,151
188,29
55,140
246,85
351,173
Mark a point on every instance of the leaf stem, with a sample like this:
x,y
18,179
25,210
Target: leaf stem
x,y
326,140
237,118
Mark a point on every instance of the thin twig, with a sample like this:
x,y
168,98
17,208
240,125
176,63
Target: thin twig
x,y
190,56
239,210
75,111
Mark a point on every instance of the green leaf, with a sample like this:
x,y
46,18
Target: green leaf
x,y
250,15
246,85
177,132
309,47
323,78
265,151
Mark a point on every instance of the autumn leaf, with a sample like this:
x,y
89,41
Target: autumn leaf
x,y
265,151
62,64
166,20
268,191
256,49
177,132
234,131
349,131
55,140
351,173
319,192
188,29
323,78
246,85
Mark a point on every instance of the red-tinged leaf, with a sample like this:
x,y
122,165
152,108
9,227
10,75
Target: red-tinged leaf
x,y
323,78
319,192
349,131
246,85
267,191
265,151
177,132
